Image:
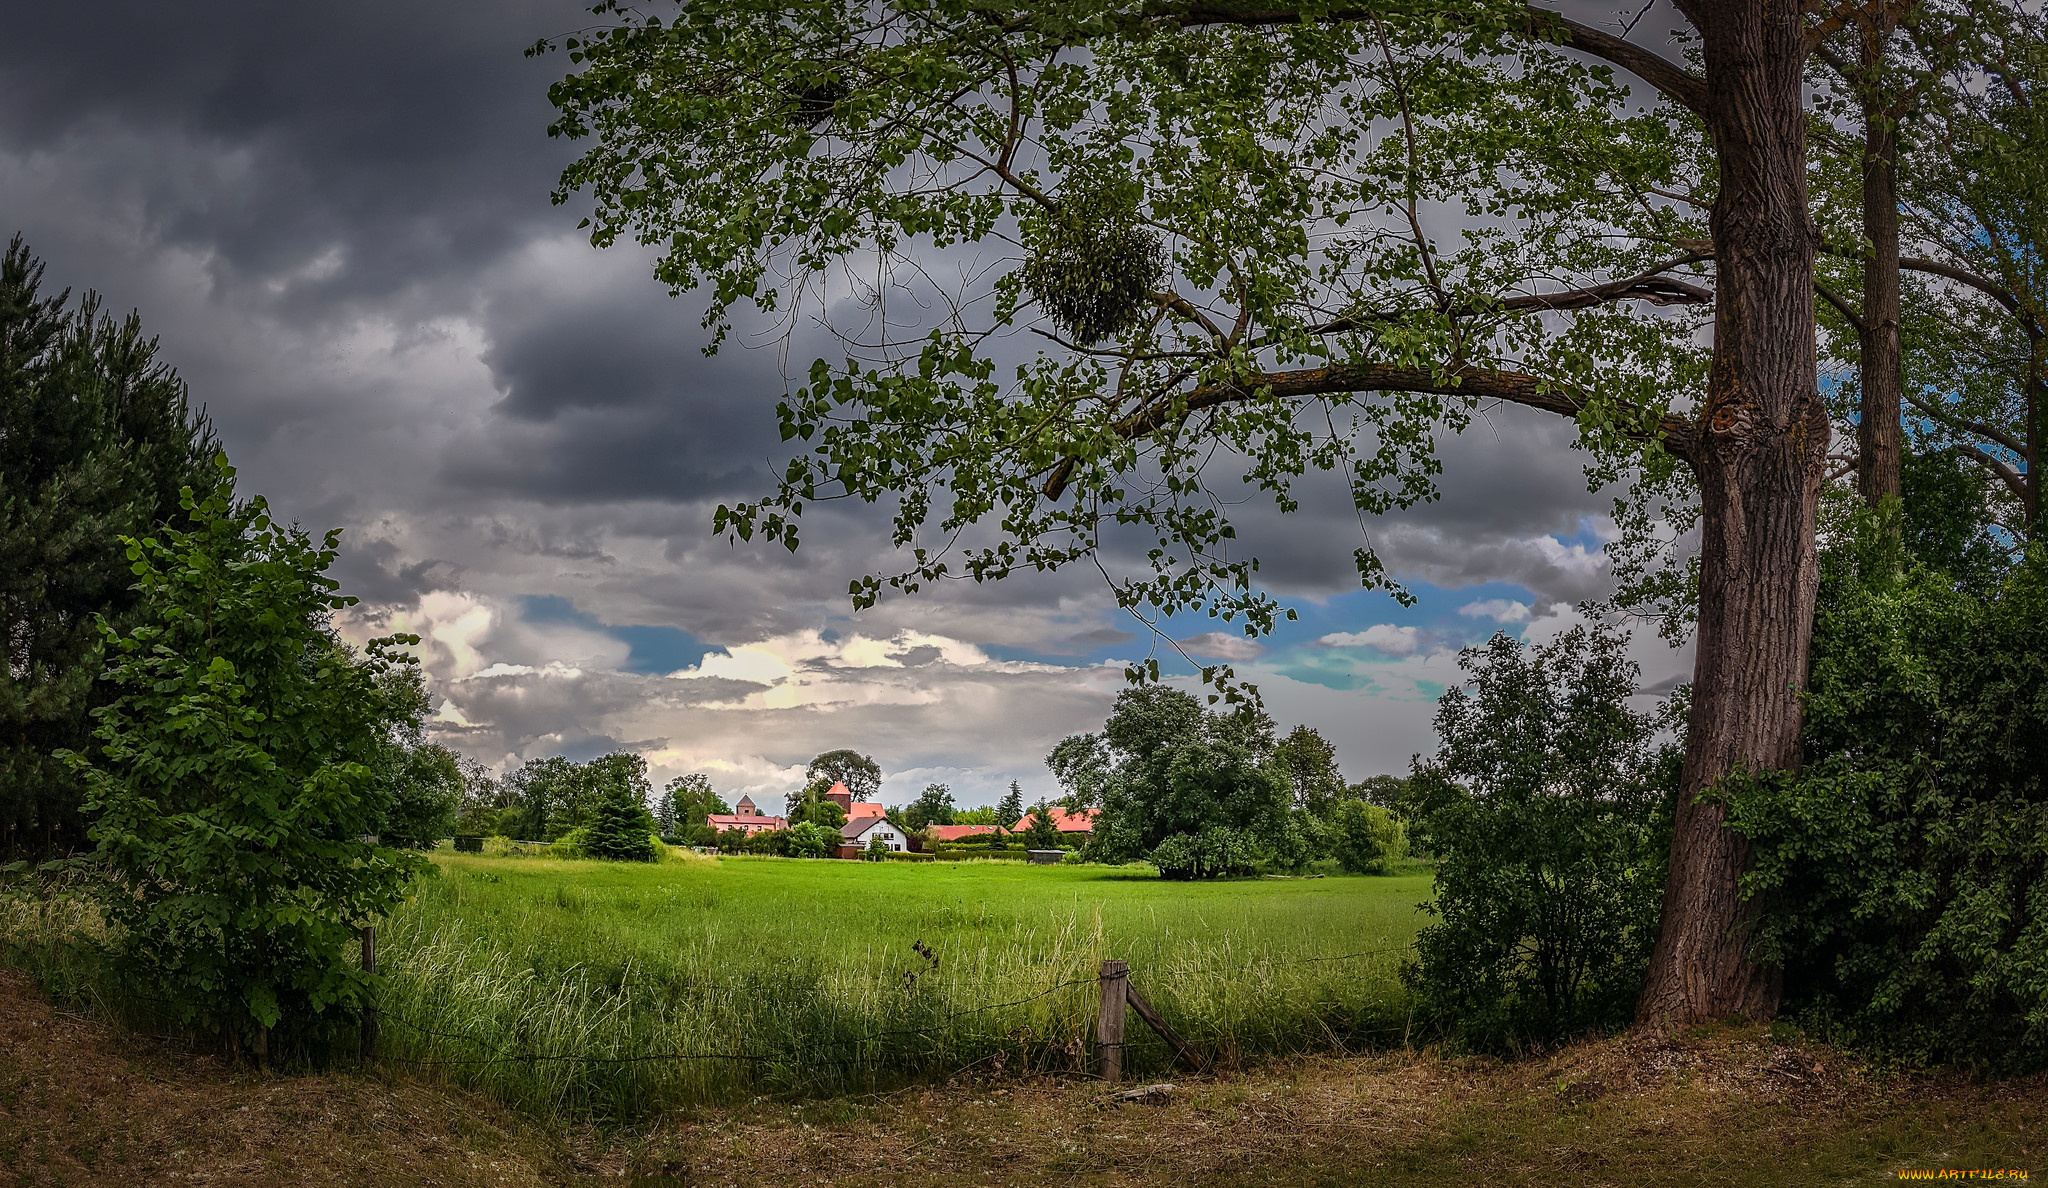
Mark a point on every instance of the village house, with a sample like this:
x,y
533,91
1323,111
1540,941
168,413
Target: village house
x,y
863,831
745,818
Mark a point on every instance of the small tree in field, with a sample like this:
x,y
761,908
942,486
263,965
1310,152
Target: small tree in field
x,y
1041,833
1549,810
1364,838
620,826
231,778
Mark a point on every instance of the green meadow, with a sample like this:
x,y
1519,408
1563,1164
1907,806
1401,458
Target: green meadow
x,y
610,990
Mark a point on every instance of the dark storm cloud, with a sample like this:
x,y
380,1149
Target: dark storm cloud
x,y
377,572
337,217
407,136
609,396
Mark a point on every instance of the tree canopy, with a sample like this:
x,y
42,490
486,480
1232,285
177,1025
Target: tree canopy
x,y
861,775
1193,792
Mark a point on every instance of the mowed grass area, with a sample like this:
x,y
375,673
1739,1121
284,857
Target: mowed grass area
x,y
613,990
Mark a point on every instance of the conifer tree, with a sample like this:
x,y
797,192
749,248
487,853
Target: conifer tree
x,y
620,826
96,439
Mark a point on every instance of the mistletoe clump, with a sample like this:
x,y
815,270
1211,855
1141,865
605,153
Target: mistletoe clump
x,y
1091,264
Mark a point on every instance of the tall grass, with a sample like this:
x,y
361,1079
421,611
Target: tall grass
x,y
609,990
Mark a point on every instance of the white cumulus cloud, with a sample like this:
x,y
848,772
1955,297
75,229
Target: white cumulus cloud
x,y
1500,610
1394,641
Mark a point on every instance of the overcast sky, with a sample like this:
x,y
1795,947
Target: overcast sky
x,y
336,217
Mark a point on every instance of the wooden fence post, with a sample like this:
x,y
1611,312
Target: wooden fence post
x,y
369,1037
1109,1022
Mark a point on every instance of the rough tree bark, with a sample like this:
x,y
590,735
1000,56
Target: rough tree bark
x,y
1878,433
1760,454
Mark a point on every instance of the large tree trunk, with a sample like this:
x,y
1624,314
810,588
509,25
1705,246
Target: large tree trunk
x,y
1760,456
1878,444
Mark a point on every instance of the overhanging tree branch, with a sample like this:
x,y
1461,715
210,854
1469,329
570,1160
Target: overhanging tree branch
x,y
1991,433
1676,433
2012,479
1681,85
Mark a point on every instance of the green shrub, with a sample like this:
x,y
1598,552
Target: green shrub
x,y
1549,808
808,839
1215,852
231,783
573,844
1365,838
897,856
1903,870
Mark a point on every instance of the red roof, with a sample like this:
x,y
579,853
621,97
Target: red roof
x,y
862,808
956,832
720,821
856,826
1064,821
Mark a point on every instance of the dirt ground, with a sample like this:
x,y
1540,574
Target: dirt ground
x,y
82,1104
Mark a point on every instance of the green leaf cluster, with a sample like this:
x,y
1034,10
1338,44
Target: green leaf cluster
x,y
1903,870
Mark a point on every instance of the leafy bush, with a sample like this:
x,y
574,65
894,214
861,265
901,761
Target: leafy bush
x,y
1364,838
1903,871
1549,807
807,839
231,783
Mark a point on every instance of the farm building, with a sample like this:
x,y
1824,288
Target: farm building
x,y
953,833
745,818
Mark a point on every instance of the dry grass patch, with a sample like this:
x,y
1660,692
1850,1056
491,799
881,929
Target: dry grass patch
x,y
1726,1106
81,1104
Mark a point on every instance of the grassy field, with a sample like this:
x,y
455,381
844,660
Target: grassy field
x,y
609,990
